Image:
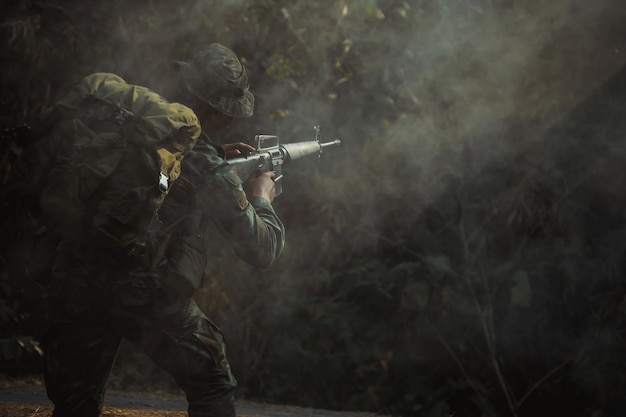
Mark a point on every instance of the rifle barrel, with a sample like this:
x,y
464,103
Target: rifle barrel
x,y
300,149
331,143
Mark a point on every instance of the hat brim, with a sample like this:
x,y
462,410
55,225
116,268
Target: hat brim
x,y
233,106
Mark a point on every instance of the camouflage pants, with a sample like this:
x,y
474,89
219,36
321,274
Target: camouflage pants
x,y
89,320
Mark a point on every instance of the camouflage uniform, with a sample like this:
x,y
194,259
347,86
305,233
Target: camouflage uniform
x,y
98,298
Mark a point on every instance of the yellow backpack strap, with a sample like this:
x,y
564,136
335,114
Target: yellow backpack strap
x,y
170,168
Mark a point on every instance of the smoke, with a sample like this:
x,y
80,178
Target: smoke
x,y
467,71
449,89
425,95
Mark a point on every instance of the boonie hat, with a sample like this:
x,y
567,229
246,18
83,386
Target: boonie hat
x,y
216,75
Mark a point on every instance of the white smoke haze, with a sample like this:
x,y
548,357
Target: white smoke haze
x,y
424,94
480,77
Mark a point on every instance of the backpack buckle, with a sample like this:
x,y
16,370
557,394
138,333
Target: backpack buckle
x,y
121,116
164,183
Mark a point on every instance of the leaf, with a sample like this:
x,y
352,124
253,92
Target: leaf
x,y
440,263
374,11
415,296
521,292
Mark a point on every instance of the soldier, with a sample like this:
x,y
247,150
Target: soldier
x,y
99,297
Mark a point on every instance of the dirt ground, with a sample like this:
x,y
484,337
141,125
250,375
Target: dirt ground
x,y
26,397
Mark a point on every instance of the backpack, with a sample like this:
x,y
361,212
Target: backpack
x,y
118,149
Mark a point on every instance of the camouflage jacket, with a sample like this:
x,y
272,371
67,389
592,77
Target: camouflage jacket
x,y
207,199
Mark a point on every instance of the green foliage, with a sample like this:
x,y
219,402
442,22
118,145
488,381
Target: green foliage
x,y
462,252
20,353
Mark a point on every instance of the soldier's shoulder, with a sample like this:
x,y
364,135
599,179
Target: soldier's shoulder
x,y
202,160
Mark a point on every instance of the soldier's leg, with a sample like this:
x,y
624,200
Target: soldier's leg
x,y
77,362
191,349
80,344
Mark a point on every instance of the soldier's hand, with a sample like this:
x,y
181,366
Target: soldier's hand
x,y
262,186
233,150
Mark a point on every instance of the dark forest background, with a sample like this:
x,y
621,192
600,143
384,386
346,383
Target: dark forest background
x,y
461,254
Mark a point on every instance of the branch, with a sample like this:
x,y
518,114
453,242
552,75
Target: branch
x,y
544,379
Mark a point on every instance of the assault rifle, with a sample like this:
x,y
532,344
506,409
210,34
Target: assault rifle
x,y
270,155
